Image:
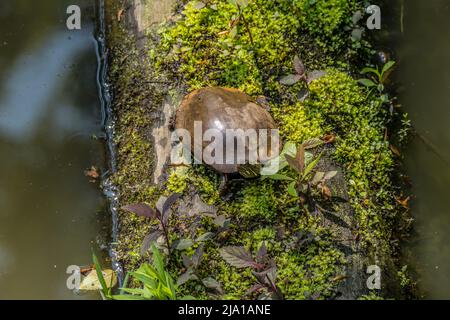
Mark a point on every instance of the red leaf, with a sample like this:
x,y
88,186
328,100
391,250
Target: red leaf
x,y
299,66
238,257
142,210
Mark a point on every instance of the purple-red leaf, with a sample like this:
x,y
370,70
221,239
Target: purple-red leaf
x,y
169,202
142,210
238,257
299,66
198,255
290,79
148,240
255,288
262,252
293,163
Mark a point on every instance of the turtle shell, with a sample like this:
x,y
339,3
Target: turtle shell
x,y
222,109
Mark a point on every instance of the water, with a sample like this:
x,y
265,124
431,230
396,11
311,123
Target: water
x,y
423,52
50,214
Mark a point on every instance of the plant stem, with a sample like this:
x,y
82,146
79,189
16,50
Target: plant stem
x,y
241,14
166,235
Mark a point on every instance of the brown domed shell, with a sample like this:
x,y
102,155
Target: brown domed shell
x,y
222,109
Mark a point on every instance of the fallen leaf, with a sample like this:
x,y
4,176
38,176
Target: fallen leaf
x,y
86,270
330,175
92,173
395,150
91,281
317,178
120,14
326,192
329,138
404,202
339,278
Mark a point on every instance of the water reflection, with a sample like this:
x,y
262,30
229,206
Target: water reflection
x,y
423,51
50,215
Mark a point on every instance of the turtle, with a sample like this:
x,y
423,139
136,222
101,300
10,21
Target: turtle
x,y
222,109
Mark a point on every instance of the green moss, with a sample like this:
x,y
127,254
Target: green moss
x,y
212,53
258,202
304,275
362,149
254,239
325,21
295,123
178,180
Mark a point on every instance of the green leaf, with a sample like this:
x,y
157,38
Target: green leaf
x,y
279,177
312,165
100,277
369,70
388,66
367,82
291,189
125,297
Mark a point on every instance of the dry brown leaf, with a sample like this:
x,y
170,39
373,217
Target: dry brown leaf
x,y
395,150
326,192
120,14
339,278
92,173
404,202
329,138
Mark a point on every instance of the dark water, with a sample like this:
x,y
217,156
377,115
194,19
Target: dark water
x,y
423,53
50,214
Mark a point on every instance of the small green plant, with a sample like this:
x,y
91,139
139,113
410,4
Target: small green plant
x,y
240,5
377,79
156,281
106,291
303,163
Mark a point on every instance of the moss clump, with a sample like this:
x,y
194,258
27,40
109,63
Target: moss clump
x,y
295,123
325,21
178,180
309,274
258,202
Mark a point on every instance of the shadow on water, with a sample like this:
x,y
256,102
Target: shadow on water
x,y
50,214
419,34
